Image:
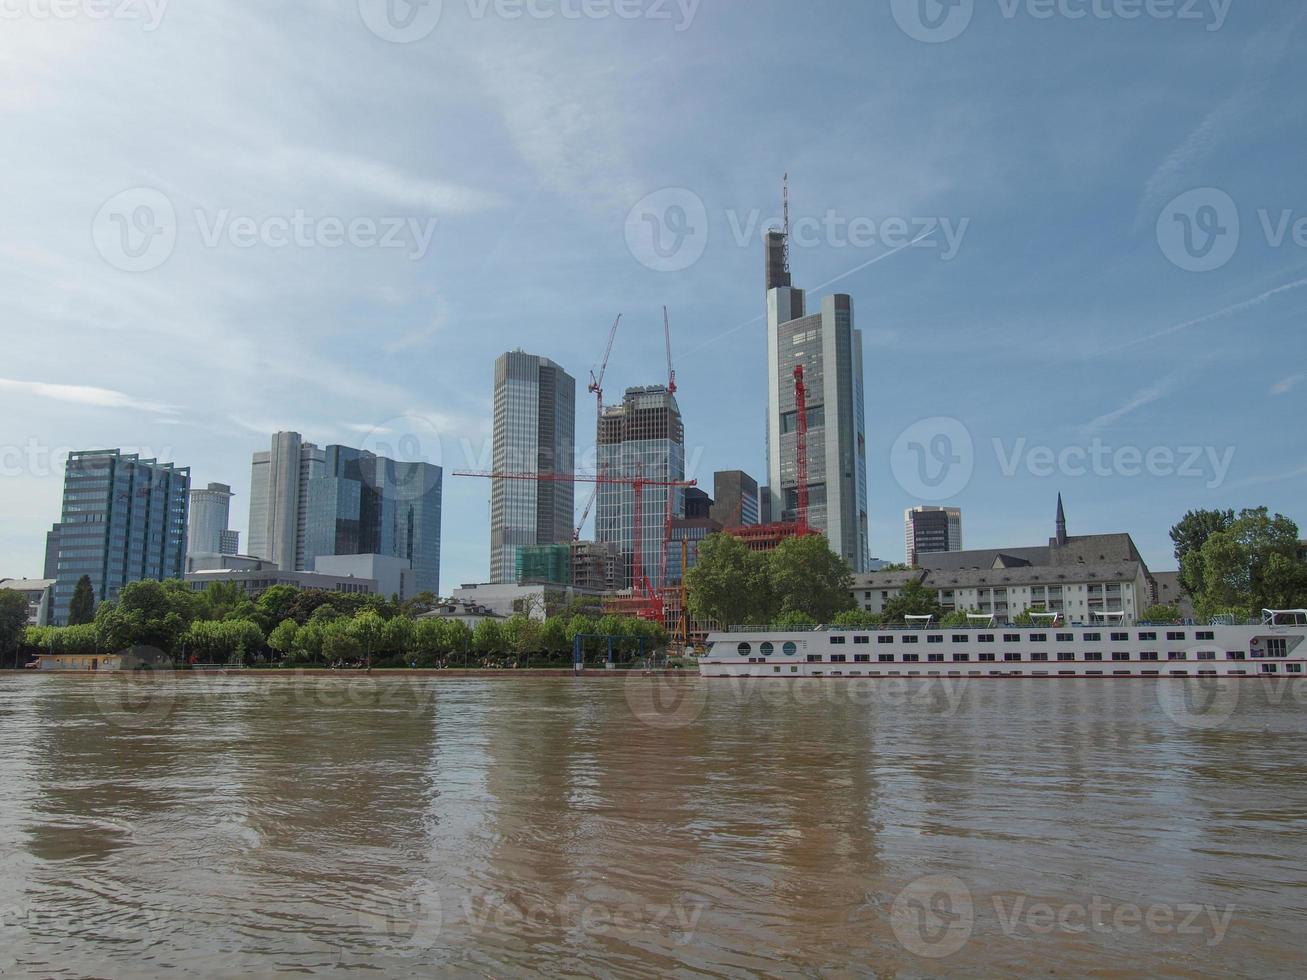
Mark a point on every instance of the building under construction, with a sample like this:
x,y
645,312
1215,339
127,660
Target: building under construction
x,y
642,438
586,565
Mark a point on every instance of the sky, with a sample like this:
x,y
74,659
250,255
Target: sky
x,y
1074,231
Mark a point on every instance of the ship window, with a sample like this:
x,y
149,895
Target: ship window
x,y
935,658
1120,656
1039,657
1038,637
1066,638
1176,655
837,639
789,649
1012,657
862,658
911,658
985,638
987,657
1093,656
1152,655
838,658
910,639
1206,654
744,649
1175,636
814,658
1093,637
1205,635
961,658
1270,668
936,638
1234,655
1120,637
776,669
1293,668
885,658
1066,655
885,639
766,649
862,639
1147,637
960,638
1011,637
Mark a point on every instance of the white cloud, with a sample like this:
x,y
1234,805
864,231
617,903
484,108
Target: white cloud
x,y
1286,385
85,395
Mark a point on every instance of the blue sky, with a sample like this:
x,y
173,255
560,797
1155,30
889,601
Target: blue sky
x,y
1070,317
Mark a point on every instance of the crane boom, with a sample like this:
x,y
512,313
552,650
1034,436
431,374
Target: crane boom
x,y
667,338
597,381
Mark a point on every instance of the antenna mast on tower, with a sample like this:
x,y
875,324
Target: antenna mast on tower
x,y
785,198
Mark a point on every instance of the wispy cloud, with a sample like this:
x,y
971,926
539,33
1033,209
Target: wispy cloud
x,y
85,395
1286,385
1141,398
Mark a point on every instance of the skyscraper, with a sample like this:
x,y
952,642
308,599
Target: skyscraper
x,y
643,436
736,500
279,487
534,432
210,511
123,521
830,349
930,531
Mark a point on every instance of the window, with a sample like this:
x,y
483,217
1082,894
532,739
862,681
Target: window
x,y
1011,637
986,658
885,639
934,638
838,658
985,638
1012,657
862,658
935,658
960,638
1234,655
1177,655
766,649
1147,637
744,649
1148,656
1205,635
911,658
1120,656
1093,637
1277,647
885,658
1120,637
837,639
1206,654
1039,657
1175,636
789,649
1066,655
1293,668
861,639
814,658
911,639
961,658
1093,656
1066,638
1038,637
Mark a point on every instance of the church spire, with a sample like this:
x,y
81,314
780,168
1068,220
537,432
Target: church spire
x,y
1061,523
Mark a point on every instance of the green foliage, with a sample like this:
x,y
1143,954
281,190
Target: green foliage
x,y
807,577
1160,614
13,623
222,641
488,637
1249,566
954,619
81,608
283,638
857,619
1189,536
81,639
914,599
728,583
793,620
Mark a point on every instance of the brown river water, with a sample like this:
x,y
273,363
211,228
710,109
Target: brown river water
x,y
417,826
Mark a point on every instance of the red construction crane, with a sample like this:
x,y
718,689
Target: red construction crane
x,y
650,604
667,338
801,447
597,381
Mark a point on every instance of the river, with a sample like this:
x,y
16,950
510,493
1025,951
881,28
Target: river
x,y
249,824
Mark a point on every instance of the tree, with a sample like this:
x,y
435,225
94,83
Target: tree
x,y
793,620
914,599
1250,566
553,635
857,619
807,577
81,608
728,583
1160,614
488,637
397,636
13,623
282,639
521,635
1189,536
954,619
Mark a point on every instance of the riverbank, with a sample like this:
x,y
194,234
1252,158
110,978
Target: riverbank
x,y
523,673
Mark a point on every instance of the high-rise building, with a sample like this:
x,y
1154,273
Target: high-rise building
x,y
930,531
229,543
829,348
279,488
534,432
123,521
736,500
364,504
210,513
641,437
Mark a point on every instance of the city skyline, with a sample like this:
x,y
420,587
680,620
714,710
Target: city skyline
x,y
1058,329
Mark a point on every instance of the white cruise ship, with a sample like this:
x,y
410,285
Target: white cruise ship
x,y
925,649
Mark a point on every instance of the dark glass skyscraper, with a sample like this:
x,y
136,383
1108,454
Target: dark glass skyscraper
x,y
123,520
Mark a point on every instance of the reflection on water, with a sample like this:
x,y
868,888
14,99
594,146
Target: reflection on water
x,y
253,825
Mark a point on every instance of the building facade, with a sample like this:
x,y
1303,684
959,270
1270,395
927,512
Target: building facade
x,y
736,499
124,520
829,348
39,593
930,530
534,432
642,437
210,515
279,489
